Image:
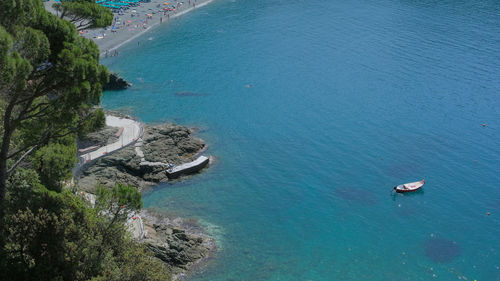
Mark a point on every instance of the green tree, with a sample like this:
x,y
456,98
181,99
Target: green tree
x,y
55,161
135,264
84,13
96,121
50,82
47,233
58,236
117,203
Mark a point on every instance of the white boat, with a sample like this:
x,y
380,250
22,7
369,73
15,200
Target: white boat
x,y
188,168
409,187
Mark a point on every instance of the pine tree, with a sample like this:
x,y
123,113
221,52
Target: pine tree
x,y
50,82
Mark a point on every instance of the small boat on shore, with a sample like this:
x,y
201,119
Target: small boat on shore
x,y
188,168
409,187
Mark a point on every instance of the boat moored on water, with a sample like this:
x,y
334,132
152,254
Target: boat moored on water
x,y
409,187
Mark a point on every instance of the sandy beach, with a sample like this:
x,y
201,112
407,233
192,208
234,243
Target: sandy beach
x,y
135,21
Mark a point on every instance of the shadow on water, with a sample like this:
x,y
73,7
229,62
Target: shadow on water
x,y
402,170
396,195
190,94
441,250
407,206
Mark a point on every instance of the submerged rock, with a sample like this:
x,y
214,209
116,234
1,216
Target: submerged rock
x,y
189,94
179,243
441,250
116,83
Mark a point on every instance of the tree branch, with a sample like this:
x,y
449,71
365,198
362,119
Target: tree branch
x,y
39,114
38,143
83,26
21,159
45,137
38,106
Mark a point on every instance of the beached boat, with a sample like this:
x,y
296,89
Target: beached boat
x,y
409,187
188,168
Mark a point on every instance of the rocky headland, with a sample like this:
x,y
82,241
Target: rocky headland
x,y
180,243
116,83
142,164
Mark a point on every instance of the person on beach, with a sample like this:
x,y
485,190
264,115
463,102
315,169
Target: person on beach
x,y
107,53
161,19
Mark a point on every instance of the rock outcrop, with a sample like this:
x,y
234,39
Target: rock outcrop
x,y
165,143
101,138
116,83
179,243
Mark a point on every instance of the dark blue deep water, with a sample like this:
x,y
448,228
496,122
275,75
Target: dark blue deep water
x,y
315,110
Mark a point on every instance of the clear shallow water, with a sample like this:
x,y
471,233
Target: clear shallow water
x,y
314,110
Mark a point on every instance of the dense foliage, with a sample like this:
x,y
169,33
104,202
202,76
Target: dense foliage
x,y
57,236
50,84
54,162
84,13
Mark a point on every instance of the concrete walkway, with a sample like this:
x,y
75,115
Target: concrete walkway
x,y
132,131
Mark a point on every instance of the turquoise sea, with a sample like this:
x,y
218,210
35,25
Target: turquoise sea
x,y
315,110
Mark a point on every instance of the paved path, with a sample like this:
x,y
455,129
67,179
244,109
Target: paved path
x,y
132,131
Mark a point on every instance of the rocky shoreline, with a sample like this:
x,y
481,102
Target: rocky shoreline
x,y
164,143
116,83
180,243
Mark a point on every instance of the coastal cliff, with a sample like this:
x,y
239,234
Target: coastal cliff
x,y
179,243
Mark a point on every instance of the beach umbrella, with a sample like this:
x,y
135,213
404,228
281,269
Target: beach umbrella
x,y
165,3
129,21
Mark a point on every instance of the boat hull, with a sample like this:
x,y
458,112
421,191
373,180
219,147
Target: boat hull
x,y
407,190
409,187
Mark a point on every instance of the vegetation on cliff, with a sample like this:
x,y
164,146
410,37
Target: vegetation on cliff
x,y
50,82
58,236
